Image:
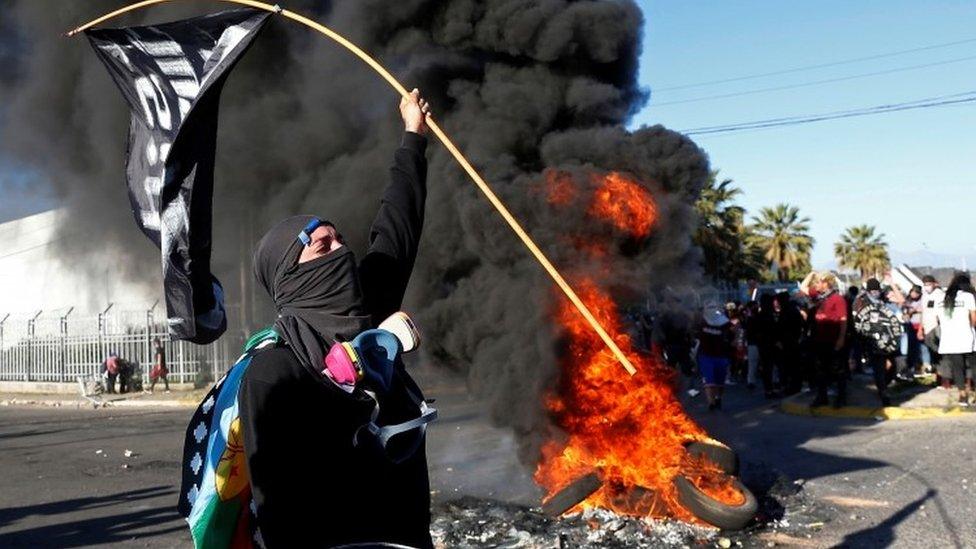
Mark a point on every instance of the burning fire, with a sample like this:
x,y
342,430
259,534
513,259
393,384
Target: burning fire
x,y
617,199
632,429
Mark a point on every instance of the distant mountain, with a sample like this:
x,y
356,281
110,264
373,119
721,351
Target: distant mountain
x,y
918,258
927,258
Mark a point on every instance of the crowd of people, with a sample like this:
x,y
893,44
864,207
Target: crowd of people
x,y
819,336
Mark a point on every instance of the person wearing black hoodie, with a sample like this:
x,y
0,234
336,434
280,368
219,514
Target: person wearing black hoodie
x,y
312,486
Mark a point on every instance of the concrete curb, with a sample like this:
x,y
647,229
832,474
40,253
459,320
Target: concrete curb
x,y
791,406
78,403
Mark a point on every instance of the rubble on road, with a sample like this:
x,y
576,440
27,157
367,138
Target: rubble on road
x,y
785,512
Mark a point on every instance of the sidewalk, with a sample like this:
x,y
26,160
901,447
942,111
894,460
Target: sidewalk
x,y
159,399
918,400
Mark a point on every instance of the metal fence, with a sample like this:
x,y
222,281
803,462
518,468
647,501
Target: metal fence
x,y
59,347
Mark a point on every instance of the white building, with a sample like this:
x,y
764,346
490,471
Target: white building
x,y
33,278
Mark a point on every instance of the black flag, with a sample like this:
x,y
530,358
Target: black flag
x,y
171,76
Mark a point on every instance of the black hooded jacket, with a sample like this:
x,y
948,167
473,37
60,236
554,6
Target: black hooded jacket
x,y
311,486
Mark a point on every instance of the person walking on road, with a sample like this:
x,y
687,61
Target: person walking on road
x,y
957,343
159,369
715,353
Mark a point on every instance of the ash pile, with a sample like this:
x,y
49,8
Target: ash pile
x,y
787,517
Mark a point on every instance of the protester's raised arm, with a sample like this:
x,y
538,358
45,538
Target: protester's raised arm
x,y
395,235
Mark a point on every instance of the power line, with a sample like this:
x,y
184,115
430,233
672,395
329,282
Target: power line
x,y
954,99
847,111
30,248
816,66
814,82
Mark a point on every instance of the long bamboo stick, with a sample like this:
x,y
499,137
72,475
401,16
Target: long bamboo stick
x,y
455,152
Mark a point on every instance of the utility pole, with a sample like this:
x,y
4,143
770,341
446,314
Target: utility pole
x,y
64,345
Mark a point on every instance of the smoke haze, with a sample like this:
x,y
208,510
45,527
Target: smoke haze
x,y
522,86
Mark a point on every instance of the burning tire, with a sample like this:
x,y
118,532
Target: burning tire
x,y
574,493
717,453
714,512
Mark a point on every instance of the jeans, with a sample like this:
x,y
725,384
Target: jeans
x,y
881,376
831,368
911,349
924,354
753,373
769,358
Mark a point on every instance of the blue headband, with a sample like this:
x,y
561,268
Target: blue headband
x,y
305,235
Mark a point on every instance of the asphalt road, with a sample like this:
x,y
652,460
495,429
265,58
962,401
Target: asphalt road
x,y
908,483
900,484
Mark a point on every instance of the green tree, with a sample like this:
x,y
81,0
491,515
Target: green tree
x,y
784,238
860,249
722,233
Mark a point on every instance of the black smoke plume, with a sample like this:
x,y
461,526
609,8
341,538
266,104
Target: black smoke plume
x,y
522,86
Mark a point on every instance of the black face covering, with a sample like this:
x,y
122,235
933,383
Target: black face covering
x,y
318,302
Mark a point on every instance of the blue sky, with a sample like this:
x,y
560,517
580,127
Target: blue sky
x,y
909,173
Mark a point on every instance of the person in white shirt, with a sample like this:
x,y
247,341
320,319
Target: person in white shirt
x,y
957,342
928,332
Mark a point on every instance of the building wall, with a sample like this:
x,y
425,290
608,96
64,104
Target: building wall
x,y
32,278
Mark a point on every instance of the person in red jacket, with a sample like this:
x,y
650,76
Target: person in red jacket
x,y
829,339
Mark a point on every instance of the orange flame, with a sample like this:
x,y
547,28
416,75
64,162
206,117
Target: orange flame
x,y
632,429
616,198
625,203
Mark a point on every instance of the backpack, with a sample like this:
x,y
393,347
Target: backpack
x,y
879,327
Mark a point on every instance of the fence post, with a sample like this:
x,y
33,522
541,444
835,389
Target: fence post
x,y
63,354
3,353
102,353
30,345
213,361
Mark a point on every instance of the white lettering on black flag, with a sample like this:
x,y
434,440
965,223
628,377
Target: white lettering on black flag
x,y
171,76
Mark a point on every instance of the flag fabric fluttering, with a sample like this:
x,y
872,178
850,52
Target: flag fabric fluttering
x,y
171,76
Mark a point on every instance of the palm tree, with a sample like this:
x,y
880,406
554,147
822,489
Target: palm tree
x,y
721,232
859,248
784,237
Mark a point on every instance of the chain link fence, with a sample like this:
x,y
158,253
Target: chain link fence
x,y
57,346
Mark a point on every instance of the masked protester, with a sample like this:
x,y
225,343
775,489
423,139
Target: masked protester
x,y
311,484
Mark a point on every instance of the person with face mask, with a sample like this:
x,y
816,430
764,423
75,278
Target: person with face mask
x,y
314,481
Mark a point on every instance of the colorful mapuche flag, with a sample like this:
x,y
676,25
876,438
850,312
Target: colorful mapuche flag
x,y
215,494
